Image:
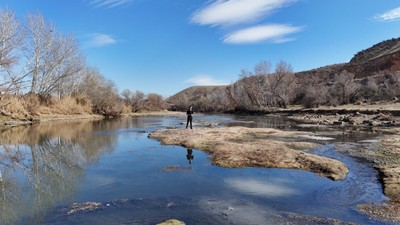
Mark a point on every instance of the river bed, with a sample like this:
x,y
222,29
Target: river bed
x,y
135,180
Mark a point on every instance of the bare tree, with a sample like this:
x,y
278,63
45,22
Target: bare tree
x,y
241,95
138,101
345,87
244,91
11,39
155,102
40,39
391,85
53,58
261,82
280,84
314,92
370,89
62,63
220,100
101,92
127,96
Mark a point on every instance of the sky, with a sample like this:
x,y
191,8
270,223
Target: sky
x,y
165,46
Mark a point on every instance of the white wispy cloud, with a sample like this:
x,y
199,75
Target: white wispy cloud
x,y
204,80
109,3
100,40
390,15
229,12
276,33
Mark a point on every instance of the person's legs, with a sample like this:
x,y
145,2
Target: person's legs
x,y
187,122
191,122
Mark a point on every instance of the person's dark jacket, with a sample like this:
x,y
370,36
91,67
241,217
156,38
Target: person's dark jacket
x,y
189,112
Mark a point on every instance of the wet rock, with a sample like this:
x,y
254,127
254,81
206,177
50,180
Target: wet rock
x,y
306,220
370,122
13,123
172,222
339,123
387,211
84,207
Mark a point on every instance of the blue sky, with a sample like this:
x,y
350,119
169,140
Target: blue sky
x,y
165,46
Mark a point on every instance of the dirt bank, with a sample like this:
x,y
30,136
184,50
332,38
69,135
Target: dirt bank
x,y
254,147
386,155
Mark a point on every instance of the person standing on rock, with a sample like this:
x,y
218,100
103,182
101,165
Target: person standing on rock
x,y
189,113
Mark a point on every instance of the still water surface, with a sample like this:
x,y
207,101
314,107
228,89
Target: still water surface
x,y
46,167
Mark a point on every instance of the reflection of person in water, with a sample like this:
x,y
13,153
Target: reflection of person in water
x,y
189,155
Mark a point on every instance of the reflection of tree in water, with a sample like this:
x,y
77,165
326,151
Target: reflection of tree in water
x,y
41,165
10,191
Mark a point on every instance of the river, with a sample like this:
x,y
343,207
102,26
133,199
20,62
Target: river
x,y
132,179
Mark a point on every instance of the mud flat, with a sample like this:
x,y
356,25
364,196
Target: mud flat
x,y
254,147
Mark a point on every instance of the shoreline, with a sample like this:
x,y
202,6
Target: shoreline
x,y
380,153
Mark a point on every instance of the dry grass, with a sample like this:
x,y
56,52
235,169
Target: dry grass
x,y
254,147
65,106
28,107
15,107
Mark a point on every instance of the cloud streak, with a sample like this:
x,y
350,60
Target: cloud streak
x,y
230,12
109,3
100,40
234,13
204,80
391,15
274,32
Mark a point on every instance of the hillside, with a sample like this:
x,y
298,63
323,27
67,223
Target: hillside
x,y
381,57
328,85
191,95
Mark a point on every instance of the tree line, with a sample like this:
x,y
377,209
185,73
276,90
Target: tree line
x,y
264,88
40,64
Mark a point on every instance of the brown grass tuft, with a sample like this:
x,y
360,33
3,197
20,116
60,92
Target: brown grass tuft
x,y
67,106
15,107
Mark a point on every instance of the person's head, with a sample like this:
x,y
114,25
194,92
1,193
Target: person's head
x,y
190,107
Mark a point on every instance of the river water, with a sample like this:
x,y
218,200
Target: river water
x,y
46,167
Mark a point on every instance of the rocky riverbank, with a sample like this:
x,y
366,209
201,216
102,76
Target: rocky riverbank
x,y
386,157
376,116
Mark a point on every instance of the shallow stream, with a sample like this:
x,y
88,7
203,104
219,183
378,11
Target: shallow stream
x,y
46,167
